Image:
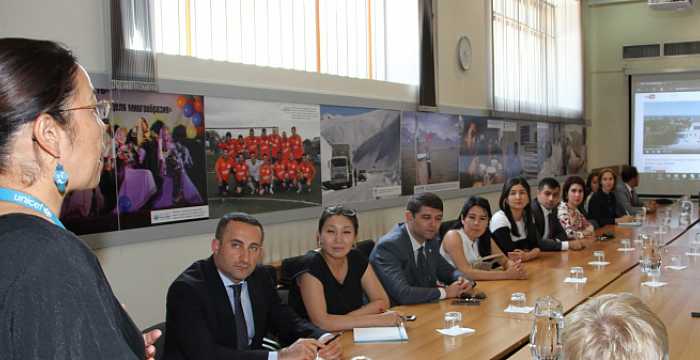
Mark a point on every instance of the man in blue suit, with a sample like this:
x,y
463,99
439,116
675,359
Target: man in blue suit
x,y
407,260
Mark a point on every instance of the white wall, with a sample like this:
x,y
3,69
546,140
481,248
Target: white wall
x,y
607,29
141,273
80,24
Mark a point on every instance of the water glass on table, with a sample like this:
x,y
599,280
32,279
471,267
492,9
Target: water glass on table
x,y
625,244
650,257
518,299
641,215
695,245
599,256
654,274
640,238
576,273
453,319
678,261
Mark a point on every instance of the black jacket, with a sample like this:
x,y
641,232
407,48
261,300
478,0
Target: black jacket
x,y
557,234
200,323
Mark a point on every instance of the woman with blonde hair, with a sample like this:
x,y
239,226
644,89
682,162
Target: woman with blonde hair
x,y
614,326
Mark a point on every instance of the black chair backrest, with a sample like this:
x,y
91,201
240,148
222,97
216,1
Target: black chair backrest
x,y
160,343
290,267
271,271
365,247
447,226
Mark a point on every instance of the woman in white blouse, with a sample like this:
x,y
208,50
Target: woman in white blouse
x,y
471,250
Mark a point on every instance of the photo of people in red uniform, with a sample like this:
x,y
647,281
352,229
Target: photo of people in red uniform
x,y
274,155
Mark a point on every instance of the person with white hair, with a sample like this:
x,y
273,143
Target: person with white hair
x,y
614,326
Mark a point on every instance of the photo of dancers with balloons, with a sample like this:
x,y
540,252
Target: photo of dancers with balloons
x,y
159,154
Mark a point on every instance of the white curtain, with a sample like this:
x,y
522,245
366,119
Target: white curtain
x,y
367,39
537,58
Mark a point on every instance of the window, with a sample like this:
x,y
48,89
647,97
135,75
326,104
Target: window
x,y
537,57
368,39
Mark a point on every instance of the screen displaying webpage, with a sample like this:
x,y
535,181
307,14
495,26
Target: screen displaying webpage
x,y
666,132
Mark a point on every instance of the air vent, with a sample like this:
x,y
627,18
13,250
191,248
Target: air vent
x,y
682,48
641,51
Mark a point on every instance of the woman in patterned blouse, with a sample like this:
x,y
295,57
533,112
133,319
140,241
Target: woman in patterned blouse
x,y
572,220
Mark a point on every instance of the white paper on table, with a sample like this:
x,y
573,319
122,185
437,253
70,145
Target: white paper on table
x,y
519,309
625,249
570,280
455,331
692,254
654,283
677,268
598,263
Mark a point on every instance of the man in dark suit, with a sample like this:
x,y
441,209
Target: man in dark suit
x,y
552,236
626,196
407,260
222,307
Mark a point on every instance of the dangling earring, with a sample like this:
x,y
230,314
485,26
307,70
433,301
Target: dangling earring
x,y
60,178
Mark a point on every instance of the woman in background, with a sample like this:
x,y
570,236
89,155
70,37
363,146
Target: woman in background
x,y
466,246
592,187
513,227
603,208
331,285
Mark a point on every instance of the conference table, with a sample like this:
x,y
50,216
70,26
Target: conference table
x,y
500,335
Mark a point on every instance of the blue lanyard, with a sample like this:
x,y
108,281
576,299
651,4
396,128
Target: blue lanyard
x,y
29,202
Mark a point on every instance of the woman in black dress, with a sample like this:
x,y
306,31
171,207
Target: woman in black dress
x,y
603,207
330,290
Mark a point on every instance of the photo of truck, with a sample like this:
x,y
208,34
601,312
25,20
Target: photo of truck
x,y
340,164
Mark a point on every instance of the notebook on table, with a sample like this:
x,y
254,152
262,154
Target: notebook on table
x,y
380,334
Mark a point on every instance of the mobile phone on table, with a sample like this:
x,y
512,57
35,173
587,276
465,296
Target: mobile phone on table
x,y
468,302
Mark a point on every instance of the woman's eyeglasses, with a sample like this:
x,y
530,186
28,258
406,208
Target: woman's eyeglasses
x,y
340,210
102,108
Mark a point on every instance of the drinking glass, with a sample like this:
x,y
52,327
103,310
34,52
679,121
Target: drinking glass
x,y
650,257
695,245
654,274
545,337
576,272
678,260
668,216
453,319
659,237
518,299
625,243
642,215
599,256
640,238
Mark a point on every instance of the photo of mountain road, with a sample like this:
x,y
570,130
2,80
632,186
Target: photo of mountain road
x,y
359,154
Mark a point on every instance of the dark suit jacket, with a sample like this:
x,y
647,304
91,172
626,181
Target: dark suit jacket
x,y
200,322
626,201
557,234
394,262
